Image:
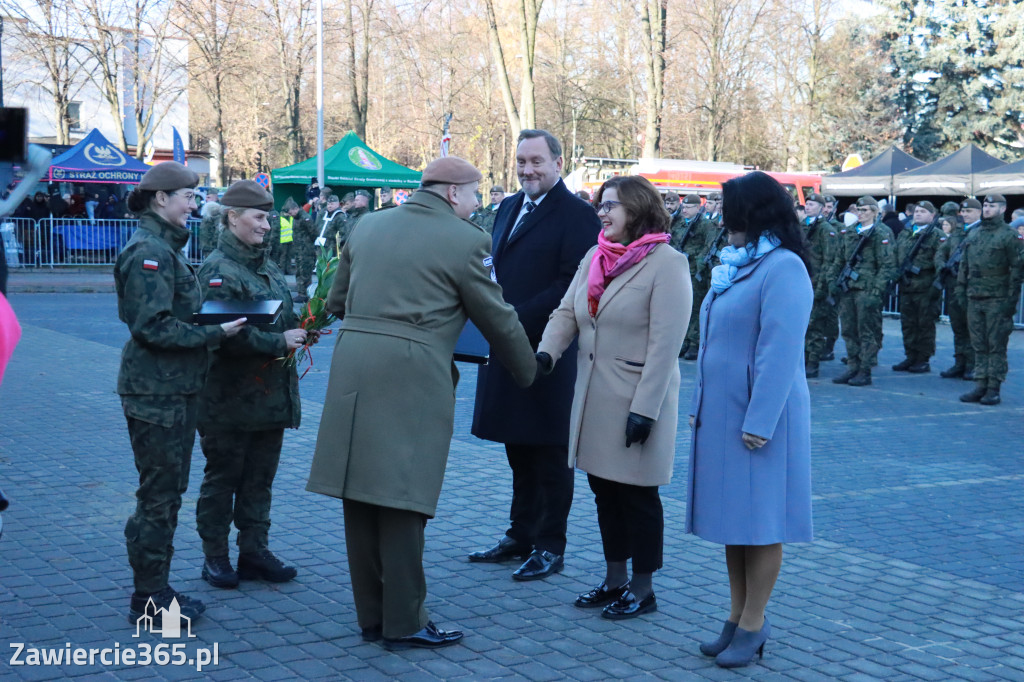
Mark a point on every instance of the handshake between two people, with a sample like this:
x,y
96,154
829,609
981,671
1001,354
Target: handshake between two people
x,y
638,427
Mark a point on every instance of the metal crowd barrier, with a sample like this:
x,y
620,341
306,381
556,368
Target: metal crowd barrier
x,y
60,242
892,308
21,242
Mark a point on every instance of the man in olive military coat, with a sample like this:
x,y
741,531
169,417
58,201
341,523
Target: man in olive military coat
x,y
690,234
948,257
919,301
407,281
821,237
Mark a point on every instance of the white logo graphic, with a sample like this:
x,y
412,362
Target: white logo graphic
x,y
104,154
170,621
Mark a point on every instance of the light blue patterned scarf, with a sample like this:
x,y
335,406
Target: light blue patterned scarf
x,y
733,259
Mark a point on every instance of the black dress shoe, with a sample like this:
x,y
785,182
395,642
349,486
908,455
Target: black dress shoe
x,y
600,596
628,606
541,564
218,571
506,549
373,634
429,637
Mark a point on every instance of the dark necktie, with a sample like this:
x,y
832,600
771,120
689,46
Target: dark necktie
x,y
529,209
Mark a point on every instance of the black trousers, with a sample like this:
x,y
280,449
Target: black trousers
x,y
542,484
632,523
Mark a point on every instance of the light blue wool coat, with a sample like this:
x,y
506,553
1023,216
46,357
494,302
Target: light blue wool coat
x,y
750,378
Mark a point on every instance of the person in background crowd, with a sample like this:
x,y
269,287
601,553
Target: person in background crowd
x,y
990,278
801,212
406,284
59,205
359,208
209,229
948,225
250,397
584,195
91,204
477,216
303,235
330,222
713,208
821,239
540,236
163,369
947,264
907,216
690,235
387,199
487,214
919,301
860,307
750,453
1017,220
283,236
633,290
706,259
211,203
890,218
671,200
313,190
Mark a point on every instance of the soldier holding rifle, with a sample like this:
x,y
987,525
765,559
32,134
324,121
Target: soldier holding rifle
x,y
919,302
947,265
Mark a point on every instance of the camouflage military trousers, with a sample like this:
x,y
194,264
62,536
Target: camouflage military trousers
x,y
283,254
831,326
918,312
305,262
860,314
163,458
963,351
239,473
817,330
700,290
991,322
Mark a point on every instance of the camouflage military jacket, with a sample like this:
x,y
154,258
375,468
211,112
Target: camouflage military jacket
x,y
696,240
877,264
209,228
947,247
821,237
328,225
991,264
157,293
248,389
486,218
932,237
716,241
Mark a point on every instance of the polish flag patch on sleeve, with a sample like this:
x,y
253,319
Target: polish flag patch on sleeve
x,y
150,265
216,282
885,241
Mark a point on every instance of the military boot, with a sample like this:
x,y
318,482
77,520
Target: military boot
x,y
845,377
920,367
217,571
903,366
263,565
691,353
976,395
954,372
829,353
991,396
154,604
811,370
968,374
861,378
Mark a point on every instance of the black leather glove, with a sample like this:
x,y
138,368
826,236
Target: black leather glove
x,y
638,428
544,363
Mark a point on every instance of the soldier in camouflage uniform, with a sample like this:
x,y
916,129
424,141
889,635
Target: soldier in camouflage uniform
x,y
386,199
360,207
249,399
163,368
329,222
860,308
209,229
716,239
690,234
821,238
832,315
989,279
487,214
713,209
919,300
947,265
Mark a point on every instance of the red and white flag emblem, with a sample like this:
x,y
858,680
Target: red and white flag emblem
x,y
150,265
216,282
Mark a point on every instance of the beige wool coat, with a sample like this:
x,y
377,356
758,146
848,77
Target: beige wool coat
x,y
407,280
627,362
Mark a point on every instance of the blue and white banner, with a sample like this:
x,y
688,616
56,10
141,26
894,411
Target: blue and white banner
x,y
179,147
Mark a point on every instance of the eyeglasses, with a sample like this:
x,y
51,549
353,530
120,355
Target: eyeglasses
x,y
188,196
607,206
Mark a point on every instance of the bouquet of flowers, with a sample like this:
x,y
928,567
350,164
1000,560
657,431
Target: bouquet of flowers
x,y
315,318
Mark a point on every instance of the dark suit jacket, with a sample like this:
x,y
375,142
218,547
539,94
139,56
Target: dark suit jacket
x,y
534,269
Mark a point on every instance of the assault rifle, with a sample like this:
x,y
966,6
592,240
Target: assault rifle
x,y
951,266
706,261
848,273
908,267
685,238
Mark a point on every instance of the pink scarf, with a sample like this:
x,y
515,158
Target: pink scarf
x,y
612,259
10,332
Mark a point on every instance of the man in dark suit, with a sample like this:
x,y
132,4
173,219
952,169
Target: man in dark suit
x,y
540,234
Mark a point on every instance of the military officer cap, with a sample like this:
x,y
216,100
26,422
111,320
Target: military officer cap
x,y
928,206
995,199
247,194
498,188
168,177
867,201
971,202
950,208
817,198
450,170
692,199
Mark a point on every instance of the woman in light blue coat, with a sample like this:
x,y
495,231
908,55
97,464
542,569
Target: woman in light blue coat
x,y
750,468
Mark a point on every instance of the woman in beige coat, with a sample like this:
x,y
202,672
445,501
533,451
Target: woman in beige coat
x,y
629,303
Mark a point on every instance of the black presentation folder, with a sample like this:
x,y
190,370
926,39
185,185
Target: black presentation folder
x,y
255,312
471,346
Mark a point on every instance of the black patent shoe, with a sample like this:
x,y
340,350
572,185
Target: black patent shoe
x,y
506,549
155,604
541,564
429,637
218,571
628,606
600,596
263,565
373,634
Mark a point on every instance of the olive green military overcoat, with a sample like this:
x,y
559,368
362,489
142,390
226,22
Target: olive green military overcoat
x,y
407,280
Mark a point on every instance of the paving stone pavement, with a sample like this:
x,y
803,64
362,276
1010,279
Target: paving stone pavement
x,y
916,573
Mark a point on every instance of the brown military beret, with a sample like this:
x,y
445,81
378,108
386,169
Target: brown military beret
x,y
692,200
970,202
168,177
247,194
867,201
498,188
995,199
715,196
450,170
816,198
928,206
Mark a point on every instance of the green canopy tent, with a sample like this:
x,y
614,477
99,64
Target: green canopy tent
x,y
348,165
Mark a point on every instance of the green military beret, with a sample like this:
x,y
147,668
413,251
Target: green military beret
x,y
970,202
498,188
950,208
830,199
692,200
362,193
816,198
867,201
168,177
928,206
995,199
247,194
715,196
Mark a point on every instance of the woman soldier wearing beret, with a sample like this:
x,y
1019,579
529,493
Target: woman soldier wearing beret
x,y
163,368
249,399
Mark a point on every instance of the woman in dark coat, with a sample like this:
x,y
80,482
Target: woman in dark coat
x,y
750,471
